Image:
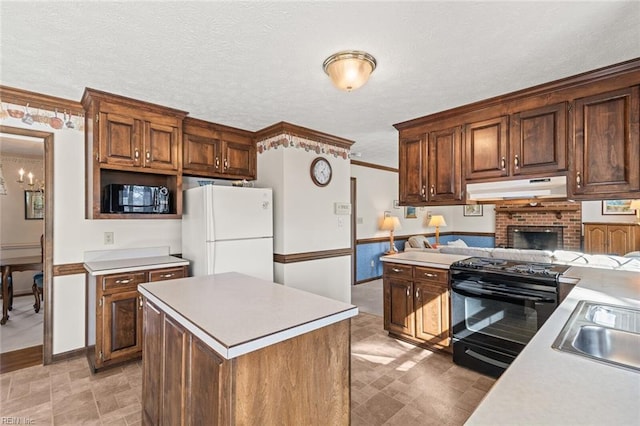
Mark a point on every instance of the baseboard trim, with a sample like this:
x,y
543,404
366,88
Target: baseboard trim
x,y
20,358
368,280
63,356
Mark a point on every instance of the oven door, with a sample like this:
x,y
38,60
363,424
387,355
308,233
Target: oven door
x,y
498,317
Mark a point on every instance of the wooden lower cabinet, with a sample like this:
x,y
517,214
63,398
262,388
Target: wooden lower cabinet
x,y
118,315
416,305
611,238
299,381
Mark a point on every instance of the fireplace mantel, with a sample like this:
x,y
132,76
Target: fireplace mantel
x,y
511,210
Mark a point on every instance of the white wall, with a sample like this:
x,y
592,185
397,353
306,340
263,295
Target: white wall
x,y
73,234
592,212
304,219
375,191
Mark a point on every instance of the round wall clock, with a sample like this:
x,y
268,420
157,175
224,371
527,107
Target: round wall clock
x,y
321,171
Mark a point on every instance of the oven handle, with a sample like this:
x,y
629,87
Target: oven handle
x,y
467,291
486,359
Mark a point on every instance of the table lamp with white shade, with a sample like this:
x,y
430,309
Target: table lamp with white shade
x,y
391,223
437,220
635,205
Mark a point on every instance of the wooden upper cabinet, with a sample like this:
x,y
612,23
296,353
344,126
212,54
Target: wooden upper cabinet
x,y
214,150
413,171
239,153
607,145
129,139
486,149
538,140
161,146
131,142
445,166
119,139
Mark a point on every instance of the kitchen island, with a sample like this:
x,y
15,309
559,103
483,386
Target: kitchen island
x,y
232,349
544,386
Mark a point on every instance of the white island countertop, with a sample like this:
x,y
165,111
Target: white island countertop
x,y
418,258
236,314
544,386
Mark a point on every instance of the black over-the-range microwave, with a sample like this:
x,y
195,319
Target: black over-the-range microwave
x,y
119,198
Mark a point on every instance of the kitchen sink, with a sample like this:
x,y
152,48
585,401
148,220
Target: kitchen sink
x,y
605,333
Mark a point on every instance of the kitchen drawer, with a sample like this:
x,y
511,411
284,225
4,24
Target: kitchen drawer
x,y
119,282
167,274
431,274
398,270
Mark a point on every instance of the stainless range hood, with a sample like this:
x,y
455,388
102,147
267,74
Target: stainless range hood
x,y
539,188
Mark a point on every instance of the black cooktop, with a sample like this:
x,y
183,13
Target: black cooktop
x,y
511,267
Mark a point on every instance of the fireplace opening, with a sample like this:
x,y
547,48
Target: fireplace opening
x,y
535,237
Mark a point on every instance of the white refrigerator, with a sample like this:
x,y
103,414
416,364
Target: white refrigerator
x,y
226,228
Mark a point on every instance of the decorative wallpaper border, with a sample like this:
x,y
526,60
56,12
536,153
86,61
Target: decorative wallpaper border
x,y
40,119
291,141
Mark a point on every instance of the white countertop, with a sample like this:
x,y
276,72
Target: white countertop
x,y
544,386
434,260
236,314
116,266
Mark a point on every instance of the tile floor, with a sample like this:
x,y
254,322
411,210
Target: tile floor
x,y
25,327
393,383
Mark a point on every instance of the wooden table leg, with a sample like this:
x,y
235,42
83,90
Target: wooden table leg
x,y
5,294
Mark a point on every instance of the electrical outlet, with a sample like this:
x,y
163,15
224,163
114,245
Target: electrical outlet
x,y
108,237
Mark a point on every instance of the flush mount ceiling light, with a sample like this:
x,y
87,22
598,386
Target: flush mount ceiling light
x,y
349,69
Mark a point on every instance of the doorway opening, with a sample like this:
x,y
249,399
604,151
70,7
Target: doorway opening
x,y
42,353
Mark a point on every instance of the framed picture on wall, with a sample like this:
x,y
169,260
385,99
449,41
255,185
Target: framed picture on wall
x,y
410,213
472,210
614,207
33,205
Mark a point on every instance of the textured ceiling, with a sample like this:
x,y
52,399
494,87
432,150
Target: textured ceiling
x,y
252,64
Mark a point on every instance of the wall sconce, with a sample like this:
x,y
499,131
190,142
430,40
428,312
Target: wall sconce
x,y
349,69
635,204
391,223
437,220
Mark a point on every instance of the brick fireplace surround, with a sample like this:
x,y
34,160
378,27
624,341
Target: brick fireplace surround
x,y
546,216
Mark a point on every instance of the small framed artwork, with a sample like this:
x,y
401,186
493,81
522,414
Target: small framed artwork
x,y
396,204
472,209
617,207
33,205
410,213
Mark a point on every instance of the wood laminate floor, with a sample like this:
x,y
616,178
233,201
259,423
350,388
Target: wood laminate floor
x,y
392,383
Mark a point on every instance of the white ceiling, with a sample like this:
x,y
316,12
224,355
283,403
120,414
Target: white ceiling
x,y
252,64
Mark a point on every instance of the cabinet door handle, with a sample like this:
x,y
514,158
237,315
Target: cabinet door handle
x,y
127,281
148,154
217,162
432,191
503,163
427,274
136,154
226,164
408,292
140,302
396,270
423,190
516,161
578,180
417,293
167,275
